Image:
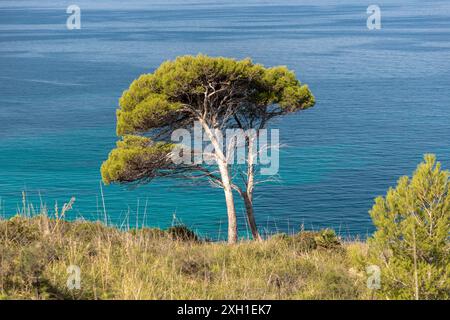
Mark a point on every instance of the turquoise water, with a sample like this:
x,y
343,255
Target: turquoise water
x,y
382,102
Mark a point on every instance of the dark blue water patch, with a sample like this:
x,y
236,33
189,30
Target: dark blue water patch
x,y
205,24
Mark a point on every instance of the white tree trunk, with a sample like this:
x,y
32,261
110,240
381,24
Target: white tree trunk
x,y
232,223
226,183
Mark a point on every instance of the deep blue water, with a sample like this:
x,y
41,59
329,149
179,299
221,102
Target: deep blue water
x,y
382,102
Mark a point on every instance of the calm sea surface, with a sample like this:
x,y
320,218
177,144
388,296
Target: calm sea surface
x,y
383,100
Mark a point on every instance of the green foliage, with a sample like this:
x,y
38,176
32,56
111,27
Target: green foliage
x,y
135,158
186,89
19,231
151,112
182,233
327,239
411,244
306,241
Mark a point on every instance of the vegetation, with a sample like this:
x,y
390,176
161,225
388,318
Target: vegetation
x,y
411,245
410,248
154,264
218,93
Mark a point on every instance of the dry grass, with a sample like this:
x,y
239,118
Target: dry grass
x,y
35,253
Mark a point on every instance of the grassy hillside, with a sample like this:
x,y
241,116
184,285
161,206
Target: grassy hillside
x,y
35,254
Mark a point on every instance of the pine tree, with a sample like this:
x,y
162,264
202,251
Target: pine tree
x,y
411,244
219,93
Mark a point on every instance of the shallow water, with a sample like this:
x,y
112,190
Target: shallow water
x,y
382,102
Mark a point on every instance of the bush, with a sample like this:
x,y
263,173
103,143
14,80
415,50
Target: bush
x,y
411,244
327,239
20,231
305,241
182,233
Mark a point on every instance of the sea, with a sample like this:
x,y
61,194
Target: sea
x,y
382,102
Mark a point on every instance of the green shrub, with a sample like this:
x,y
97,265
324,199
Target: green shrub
x,y
327,239
20,230
411,244
305,241
182,233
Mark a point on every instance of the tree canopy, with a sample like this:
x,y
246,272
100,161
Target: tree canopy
x,y
174,95
216,91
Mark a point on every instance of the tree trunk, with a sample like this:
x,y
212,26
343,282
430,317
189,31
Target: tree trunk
x,y
231,211
226,183
251,217
248,194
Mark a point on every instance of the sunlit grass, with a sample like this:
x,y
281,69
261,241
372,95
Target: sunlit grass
x,y
35,252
